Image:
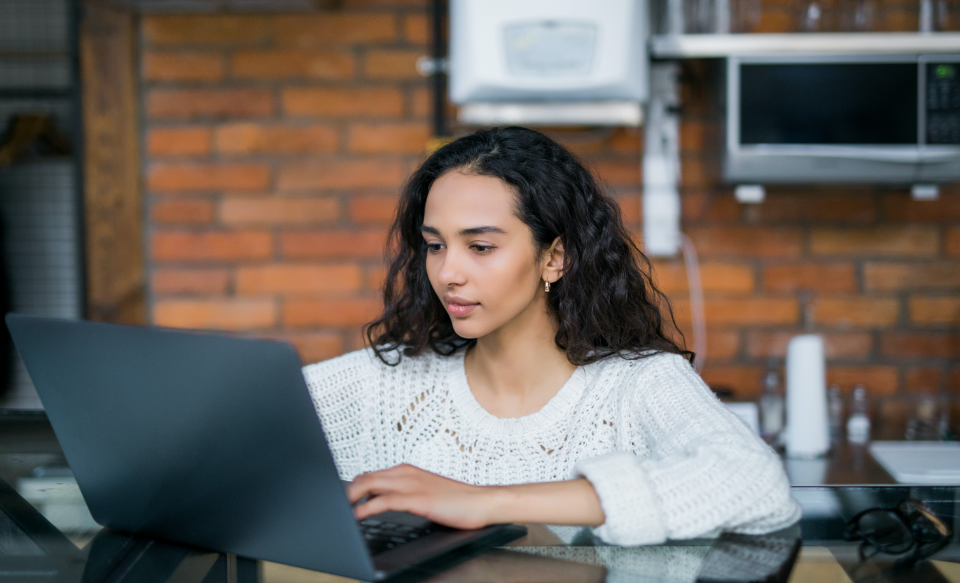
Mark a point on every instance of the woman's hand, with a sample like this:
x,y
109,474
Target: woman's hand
x,y
407,488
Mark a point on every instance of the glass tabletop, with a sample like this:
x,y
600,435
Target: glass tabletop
x,y
47,534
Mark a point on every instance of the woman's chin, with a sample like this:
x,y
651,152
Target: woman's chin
x,y
469,330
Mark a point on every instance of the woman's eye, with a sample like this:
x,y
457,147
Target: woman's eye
x,y
434,247
483,248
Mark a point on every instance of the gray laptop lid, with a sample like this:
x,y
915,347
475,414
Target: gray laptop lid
x,y
206,440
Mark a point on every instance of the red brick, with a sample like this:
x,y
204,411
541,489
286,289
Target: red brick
x,y
189,281
308,30
911,276
696,135
208,103
416,29
624,141
952,241
877,241
923,380
215,246
181,211
383,3
837,345
249,138
405,138
278,211
747,241
671,277
902,207
776,22
292,64
392,64
721,344
219,314
710,206
373,208
631,209
900,20
817,206
823,277
315,346
298,279
879,380
744,381
330,173
329,244
170,177
204,29
421,101
856,312
615,173
182,66
697,172
920,345
184,141
345,312
741,311
375,277
935,311
370,102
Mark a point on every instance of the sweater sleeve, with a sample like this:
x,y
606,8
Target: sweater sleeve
x,y
340,390
688,467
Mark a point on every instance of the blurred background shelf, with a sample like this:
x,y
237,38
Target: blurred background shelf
x,y
691,46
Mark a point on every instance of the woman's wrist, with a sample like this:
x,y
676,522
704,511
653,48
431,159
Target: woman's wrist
x,y
571,502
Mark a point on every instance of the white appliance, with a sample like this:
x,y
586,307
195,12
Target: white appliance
x,y
539,55
919,462
807,434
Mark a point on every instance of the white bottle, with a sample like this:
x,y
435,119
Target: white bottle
x,y
858,425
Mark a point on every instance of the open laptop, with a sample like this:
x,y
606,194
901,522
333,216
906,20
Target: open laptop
x,y
213,442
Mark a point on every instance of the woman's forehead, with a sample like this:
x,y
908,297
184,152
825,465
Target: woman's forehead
x,y
459,201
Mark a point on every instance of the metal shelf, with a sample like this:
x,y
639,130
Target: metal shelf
x,y
692,46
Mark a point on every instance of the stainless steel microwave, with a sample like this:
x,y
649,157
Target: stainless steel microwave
x,y
891,119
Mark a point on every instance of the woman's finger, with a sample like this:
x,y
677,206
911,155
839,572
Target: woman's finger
x,y
385,503
380,483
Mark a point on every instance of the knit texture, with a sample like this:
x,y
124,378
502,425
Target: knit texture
x,y
666,458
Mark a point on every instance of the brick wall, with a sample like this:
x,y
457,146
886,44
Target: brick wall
x,y
275,145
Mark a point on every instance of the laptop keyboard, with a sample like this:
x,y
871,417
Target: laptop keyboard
x,y
382,535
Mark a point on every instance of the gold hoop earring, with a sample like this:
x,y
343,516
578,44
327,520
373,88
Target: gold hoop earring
x,y
546,287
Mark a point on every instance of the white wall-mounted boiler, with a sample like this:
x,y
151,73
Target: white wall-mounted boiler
x,y
584,61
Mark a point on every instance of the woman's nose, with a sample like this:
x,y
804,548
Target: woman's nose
x,y
451,268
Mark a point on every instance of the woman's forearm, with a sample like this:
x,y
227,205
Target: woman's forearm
x,y
572,502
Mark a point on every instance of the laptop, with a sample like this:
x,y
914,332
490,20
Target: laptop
x,y
214,442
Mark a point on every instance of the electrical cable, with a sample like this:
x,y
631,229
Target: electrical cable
x,y
697,313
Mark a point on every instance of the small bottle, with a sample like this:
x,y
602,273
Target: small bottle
x,y
858,425
771,408
835,409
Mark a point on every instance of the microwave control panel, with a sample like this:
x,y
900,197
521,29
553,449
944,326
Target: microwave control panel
x,y
943,103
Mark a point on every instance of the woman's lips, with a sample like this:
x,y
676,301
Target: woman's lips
x,y
460,310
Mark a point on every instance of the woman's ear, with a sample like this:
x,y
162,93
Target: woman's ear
x,y
553,262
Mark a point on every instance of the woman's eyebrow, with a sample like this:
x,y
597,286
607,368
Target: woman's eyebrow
x,y
467,232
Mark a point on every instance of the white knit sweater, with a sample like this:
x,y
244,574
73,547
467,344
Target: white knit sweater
x,y
667,460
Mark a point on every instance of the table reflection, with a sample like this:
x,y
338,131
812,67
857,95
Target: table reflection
x,y
46,535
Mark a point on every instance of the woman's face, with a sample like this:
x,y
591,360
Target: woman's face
x,y
481,259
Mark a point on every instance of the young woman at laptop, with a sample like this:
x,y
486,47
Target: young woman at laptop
x,y
522,369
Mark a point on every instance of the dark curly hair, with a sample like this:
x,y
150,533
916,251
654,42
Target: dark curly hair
x,y
606,302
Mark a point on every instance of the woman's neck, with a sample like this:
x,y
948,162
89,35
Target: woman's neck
x,y
515,370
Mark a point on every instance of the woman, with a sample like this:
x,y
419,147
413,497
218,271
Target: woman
x,y
521,371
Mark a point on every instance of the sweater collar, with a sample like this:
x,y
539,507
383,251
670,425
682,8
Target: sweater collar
x,y
558,408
